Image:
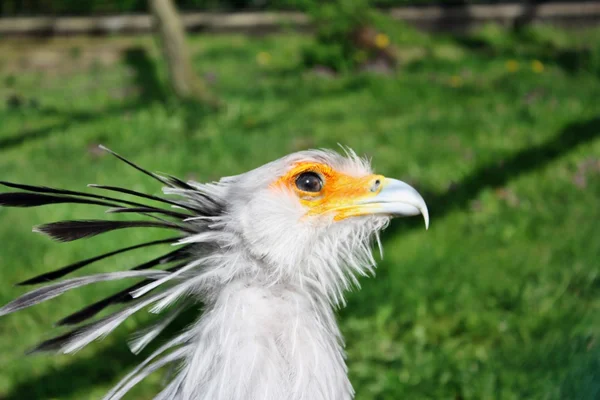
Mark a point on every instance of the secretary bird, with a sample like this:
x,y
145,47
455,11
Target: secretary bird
x,y
267,255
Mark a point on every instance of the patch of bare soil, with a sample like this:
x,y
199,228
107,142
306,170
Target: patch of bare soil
x,y
64,56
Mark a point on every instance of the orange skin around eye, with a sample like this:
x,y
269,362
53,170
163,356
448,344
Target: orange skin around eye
x,y
339,194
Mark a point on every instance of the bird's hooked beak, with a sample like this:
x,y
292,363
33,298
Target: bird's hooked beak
x,y
394,198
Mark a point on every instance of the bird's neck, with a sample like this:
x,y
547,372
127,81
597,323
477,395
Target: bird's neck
x,y
257,341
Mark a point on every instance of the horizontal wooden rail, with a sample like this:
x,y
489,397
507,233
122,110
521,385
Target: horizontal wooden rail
x,y
456,17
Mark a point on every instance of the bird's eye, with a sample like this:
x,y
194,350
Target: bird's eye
x,y
309,182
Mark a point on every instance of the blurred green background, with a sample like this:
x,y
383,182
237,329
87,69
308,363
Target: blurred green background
x,y
499,129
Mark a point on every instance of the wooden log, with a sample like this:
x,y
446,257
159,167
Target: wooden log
x,y
186,84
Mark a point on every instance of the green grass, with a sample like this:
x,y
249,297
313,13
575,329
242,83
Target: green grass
x,y
500,299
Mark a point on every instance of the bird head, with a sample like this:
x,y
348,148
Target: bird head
x,y
315,213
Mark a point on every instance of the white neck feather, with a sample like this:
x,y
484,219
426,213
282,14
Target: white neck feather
x,y
259,342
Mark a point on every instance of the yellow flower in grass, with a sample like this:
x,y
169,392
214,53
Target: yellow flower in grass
x,y
512,65
456,81
263,58
382,40
537,66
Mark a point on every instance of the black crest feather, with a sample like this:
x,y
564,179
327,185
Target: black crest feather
x,y
134,165
176,255
147,210
44,189
55,343
59,273
145,196
67,231
22,199
121,297
176,182
89,311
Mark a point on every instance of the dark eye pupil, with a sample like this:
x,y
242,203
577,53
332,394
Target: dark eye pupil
x,y
309,182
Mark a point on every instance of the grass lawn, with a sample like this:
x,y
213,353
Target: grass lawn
x,y
500,299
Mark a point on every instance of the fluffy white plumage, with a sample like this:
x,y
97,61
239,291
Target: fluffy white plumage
x,y
269,275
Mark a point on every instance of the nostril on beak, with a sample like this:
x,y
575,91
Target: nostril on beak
x,y
376,185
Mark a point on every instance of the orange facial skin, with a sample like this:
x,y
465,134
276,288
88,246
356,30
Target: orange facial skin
x,y
339,193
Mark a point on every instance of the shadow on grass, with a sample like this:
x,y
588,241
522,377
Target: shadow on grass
x,y
573,60
103,366
146,77
16,140
583,379
70,120
500,172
